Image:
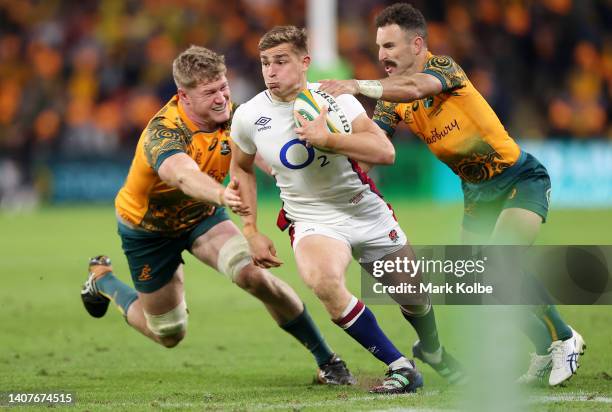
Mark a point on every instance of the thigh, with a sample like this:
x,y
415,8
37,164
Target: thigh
x,y
397,274
322,259
167,297
525,207
153,259
206,247
479,218
473,238
377,236
516,226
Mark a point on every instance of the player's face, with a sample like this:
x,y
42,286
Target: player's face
x,y
209,102
284,71
396,49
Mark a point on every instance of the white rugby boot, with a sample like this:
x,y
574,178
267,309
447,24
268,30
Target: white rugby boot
x,y
565,356
539,368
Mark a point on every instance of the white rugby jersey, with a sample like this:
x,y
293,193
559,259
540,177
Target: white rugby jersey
x,y
315,186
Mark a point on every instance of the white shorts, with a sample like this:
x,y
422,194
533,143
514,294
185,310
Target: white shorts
x,y
371,235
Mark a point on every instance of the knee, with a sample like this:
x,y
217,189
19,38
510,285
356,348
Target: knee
x,y
325,285
170,327
171,341
251,278
234,257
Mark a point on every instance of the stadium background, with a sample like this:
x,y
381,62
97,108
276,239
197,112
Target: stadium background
x,y
79,81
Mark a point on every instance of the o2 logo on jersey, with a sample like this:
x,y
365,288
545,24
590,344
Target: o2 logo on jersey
x,y
285,161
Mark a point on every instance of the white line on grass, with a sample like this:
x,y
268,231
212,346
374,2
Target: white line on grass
x,y
572,397
566,397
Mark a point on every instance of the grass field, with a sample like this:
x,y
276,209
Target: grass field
x,y
234,357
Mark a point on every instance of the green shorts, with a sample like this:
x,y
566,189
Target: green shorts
x,y
153,258
524,185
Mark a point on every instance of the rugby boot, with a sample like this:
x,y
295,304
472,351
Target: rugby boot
x,y
565,355
94,301
403,380
447,367
335,372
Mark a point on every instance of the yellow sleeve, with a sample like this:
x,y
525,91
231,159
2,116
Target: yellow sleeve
x,y
162,140
386,116
450,74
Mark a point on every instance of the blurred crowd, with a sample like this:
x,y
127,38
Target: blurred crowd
x,y
83,78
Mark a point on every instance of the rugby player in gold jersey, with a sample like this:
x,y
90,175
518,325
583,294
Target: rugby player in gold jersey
x,y
506,190
173,201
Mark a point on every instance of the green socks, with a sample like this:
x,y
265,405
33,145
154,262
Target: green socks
x,y
303,329
121,294
558,329
425,327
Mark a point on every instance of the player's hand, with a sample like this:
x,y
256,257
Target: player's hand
x,y
263,251
315,132
230,197
338,87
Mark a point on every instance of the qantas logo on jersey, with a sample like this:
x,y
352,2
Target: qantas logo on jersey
x,y
263,121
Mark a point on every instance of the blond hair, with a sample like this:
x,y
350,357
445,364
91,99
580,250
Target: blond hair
x,y
285,34
196,65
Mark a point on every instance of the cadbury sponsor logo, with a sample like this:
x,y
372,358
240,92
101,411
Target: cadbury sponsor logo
x,y
439,135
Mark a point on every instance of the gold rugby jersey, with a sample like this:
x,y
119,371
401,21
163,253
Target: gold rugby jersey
x,y
149,203
458,125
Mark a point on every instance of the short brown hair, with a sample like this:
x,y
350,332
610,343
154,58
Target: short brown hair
x,y
405,16
285,34
196,65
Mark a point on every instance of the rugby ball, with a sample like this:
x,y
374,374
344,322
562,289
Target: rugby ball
x,y
308,104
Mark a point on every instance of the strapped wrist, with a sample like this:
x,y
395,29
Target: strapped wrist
x,y
370,88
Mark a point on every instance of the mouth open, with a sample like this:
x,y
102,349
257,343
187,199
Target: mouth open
x,y
220,108
389,66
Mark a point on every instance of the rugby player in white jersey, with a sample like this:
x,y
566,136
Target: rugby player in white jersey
x,y
332,209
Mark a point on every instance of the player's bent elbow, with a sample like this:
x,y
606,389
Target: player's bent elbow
x,y
387,157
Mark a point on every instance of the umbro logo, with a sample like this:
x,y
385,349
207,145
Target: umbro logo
x,y
262,121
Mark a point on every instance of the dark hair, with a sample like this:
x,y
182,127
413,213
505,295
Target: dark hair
x,y
285,34
404,15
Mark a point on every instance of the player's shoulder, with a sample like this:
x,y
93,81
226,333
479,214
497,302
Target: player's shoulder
x,y
166,121
450,74
253,112
439,60
251,108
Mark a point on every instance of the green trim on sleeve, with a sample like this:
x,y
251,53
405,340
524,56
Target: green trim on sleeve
x,y
439,77
164,156
390,131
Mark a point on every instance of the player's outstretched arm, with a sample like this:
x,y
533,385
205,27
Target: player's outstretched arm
x,y
398,89
367,143
182,172
262,248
